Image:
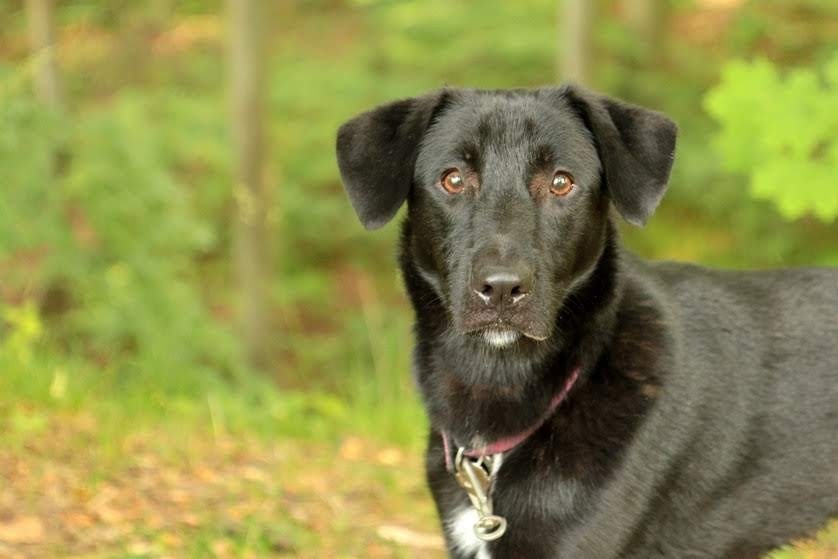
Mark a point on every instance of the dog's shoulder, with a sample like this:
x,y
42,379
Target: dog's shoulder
x,y
736,324
768,295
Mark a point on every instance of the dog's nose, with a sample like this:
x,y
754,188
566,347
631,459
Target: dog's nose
x,y
502,287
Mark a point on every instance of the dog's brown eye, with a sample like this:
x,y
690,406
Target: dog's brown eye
x,y
453,182
562,184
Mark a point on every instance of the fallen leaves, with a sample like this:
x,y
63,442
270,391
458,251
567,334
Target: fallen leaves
x,y
73,492
411,538
356,449
22,529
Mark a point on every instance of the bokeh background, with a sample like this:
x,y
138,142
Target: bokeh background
x,y
202,353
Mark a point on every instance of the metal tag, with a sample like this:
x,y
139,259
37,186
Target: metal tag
x,y
475,477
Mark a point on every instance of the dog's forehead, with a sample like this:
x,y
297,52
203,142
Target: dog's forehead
x,y
482,120
504,125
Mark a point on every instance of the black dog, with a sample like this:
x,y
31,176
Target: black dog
x,y
622,408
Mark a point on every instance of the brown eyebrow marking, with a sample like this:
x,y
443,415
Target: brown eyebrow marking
x,y
539,184
540,168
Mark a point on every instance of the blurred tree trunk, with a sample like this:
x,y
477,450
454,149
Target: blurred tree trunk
x,y
646,18
575,22
640,15
648,57
250,193
40,15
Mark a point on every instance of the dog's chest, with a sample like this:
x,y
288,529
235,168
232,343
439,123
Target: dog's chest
x,y
532,503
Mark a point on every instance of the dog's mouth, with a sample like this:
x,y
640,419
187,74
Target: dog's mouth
x,y
505,326
500,335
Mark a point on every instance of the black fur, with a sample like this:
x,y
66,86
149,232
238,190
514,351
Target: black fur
x,y
376,154
704,421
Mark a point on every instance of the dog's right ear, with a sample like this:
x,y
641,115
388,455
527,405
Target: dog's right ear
x,y
636,147
377,152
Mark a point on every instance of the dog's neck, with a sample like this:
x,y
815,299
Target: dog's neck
x,y
478,393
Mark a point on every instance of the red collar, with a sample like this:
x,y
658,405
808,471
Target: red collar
x,y
506,444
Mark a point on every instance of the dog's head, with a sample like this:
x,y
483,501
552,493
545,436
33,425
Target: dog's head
x,y
508,193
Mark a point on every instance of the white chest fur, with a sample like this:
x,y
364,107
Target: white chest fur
x,y
460,528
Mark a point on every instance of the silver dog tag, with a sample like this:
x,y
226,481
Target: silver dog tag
x,y
475,477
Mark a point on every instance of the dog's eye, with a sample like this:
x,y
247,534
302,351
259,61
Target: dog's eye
x,y
453,181
561,184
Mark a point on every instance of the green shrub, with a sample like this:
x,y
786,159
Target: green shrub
x,y
115,232
782,132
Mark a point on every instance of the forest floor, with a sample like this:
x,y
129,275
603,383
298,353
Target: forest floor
x,y
67,491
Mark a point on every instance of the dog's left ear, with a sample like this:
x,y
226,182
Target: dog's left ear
x,y
636,147
377,153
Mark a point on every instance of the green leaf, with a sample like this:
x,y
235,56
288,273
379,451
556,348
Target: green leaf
x,y
781,132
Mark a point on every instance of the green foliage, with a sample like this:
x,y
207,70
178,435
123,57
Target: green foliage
x,y
140,297
27,135
123,400
25,328
782,132
115,234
